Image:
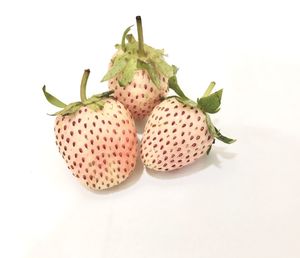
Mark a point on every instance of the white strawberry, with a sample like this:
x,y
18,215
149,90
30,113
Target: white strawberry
x,y
96,137
138,74
179,131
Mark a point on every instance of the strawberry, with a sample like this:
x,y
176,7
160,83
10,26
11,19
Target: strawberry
x,y
138,74
96,137
179,130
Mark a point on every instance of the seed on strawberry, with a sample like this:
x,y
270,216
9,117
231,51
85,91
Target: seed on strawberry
x,y
179,131
89,138
138,74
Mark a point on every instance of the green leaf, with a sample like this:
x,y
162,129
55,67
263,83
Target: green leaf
x,y
123,44
211,127
153,53
70,109
208,150
164,68
90,100
53,100
132,49
105,94
187,102
128,72
211,104
153,75
216,133
175,87
175,69
95,106
151,71
100,104
223,138
130,38
117,67
96,101
173,96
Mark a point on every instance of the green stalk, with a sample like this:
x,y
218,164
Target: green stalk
x,y
209,89
140,35
84,79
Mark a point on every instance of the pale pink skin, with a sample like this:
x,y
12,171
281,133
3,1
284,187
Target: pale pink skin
x,y
141,95
174,136
99,147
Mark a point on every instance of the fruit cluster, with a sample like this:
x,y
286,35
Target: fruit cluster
x,y
97,136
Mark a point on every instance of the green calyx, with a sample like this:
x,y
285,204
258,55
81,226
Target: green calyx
x,y
209,103
134,55
95,102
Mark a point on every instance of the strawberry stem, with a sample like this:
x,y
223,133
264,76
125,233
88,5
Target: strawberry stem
x,y
84,79
209,89
140,35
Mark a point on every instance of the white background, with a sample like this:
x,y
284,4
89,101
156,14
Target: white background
x,y
241,201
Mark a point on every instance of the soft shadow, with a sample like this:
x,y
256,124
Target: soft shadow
x,y
198,166
131,180
140,125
